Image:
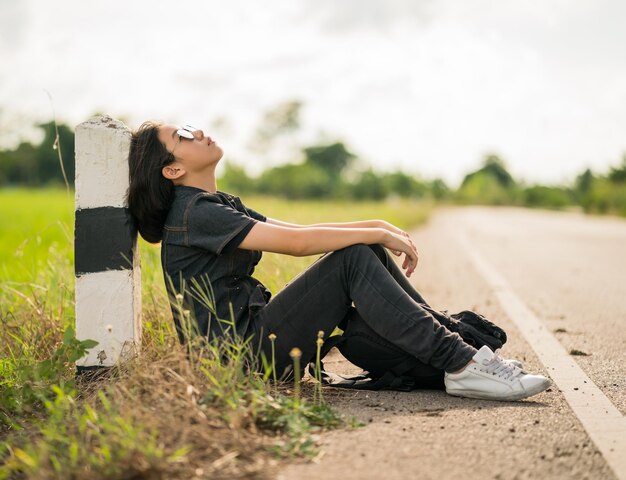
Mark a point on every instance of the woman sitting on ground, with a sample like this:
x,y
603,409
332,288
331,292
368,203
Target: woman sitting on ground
x,y
211,243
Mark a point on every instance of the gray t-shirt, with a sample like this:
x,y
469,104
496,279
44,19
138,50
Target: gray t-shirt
x,y
199,255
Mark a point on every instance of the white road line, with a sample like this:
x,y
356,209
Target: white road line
x,y
605,425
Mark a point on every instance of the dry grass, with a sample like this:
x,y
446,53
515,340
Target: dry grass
x,y
163,392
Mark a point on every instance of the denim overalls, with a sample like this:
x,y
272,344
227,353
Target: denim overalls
x,y
199,256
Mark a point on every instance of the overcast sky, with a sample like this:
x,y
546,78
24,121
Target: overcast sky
x,y
426,86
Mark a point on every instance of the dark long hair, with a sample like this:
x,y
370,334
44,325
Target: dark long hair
x,y
149,194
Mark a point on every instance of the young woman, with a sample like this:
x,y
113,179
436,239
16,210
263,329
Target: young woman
x,y
211,243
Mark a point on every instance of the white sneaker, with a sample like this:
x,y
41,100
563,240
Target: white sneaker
x,y
493,378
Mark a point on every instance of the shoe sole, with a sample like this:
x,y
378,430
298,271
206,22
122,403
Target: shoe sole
x,y
513,396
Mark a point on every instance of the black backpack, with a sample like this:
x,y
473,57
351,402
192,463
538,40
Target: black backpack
x,y
387,367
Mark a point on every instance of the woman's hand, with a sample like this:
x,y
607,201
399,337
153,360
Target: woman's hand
x,y
392,228
402,243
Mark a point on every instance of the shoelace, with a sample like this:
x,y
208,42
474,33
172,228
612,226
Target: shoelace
x,y
497,366
499,357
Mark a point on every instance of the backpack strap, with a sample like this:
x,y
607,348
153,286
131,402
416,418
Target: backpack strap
x,y
393,379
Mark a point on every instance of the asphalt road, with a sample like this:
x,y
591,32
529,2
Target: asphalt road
x,y
570,270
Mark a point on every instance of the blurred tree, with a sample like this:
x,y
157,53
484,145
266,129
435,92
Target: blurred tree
x,y
491,184
602,193
18,166
583,182
369,186
35,165
47,154
333,158
439,190
234,179
494,167
296,181
546,196
618,174
606,196
485,189
403,185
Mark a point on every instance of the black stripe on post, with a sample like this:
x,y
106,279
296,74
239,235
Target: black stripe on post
x,y
103,240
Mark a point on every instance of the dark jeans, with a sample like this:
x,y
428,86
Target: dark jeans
x,y
320,297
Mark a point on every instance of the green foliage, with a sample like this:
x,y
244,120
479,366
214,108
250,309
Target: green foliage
x,y
582,185
439,190
618,174
298,418
484,188
30,383
548,197
85,441
491,184
38,165
297,181
332,158
605,196
308,180
235,179
369,185
405,186
494,168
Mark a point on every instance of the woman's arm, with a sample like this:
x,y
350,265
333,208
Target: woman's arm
x,y
359,224
305,240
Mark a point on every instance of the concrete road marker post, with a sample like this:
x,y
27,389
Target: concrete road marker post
x,y
108,275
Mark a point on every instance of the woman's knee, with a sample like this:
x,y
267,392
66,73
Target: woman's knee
x,y
380,251
360,254
377,249
358,250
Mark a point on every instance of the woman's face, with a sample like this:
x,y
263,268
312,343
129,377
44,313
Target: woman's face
x,y
195,154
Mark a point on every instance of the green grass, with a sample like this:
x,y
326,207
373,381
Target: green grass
x,y
161,413
37,226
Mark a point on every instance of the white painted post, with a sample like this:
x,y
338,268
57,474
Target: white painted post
x,y
108,275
